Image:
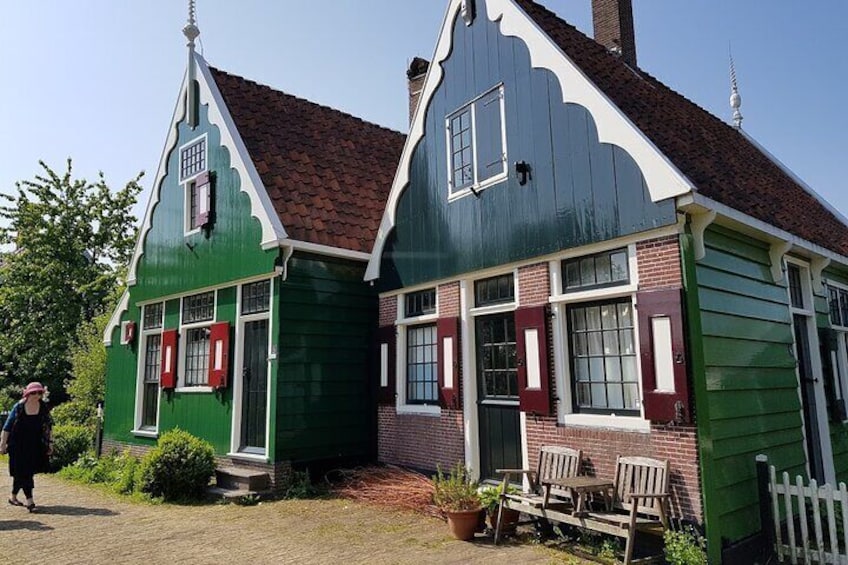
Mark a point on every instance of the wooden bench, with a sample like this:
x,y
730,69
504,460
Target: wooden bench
x,y
637,502
555,462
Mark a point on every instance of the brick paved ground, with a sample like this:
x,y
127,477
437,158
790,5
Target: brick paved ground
x,y
80,524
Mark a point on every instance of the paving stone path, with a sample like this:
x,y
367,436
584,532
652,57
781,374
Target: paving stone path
x,y
80,524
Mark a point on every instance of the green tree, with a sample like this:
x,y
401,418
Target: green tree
x,y
70,240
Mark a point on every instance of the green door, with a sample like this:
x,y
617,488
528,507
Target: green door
x,y
254,386
497,395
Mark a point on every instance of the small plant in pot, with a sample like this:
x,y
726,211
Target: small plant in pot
x,y
490,497
456,496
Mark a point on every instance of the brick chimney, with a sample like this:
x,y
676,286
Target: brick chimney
x,y
613,23
415,74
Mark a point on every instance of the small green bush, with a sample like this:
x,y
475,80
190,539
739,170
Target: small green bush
x,y
685,547
455,492
69,443
178,468
76,413
490,496
298,485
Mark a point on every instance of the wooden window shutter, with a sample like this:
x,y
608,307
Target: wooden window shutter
x,y
531,341
828,348
219,354
203,185
168,374
662,347
447,332
386,362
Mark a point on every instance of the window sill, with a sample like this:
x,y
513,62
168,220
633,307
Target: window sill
x,y
419,410
145,433
248,456
194,389
627,423
478,188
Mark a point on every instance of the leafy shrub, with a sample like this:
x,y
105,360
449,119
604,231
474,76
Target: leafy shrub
x,y
490,496
455,492
74,413
685,547
69,442
178,468
299,485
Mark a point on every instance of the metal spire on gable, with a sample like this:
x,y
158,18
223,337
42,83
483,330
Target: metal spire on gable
x,y
735,98
191,31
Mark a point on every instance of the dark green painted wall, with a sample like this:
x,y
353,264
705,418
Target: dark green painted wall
x,y
324,407
581,191
747,387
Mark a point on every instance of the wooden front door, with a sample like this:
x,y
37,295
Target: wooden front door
x,y
254,386
497,395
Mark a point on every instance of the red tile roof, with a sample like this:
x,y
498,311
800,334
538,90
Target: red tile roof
x,y
328,173
716,157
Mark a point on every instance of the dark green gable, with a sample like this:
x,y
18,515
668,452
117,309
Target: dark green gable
x,y
581,191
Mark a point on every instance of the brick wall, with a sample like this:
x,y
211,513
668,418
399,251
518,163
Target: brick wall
x,y
388,310
420,442
659,263
534,285
449,299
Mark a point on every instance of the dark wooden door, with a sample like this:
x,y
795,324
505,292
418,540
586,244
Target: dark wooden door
x,y
497,395
808,396
254,386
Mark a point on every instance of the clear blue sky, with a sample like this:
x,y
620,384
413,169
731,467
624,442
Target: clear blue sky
x,y
96,80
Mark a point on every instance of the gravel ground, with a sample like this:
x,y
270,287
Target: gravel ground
x,y
81,524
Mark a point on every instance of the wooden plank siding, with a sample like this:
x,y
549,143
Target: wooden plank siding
x,y
581,191
324,405
749,382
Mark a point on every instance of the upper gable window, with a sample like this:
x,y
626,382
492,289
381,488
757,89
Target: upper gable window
x,y
421,303
476,141
195,178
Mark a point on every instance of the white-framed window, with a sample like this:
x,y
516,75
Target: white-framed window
x,y
418,378
837,298
152,320
476,144
597,330
193,164
197,313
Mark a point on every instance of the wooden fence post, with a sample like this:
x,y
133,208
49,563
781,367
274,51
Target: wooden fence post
x,y
766,515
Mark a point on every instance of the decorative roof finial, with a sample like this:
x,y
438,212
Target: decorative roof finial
x,y
735,98
191,31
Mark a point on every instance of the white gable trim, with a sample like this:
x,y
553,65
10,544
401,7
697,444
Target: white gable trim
x,y
261,207
664,180
115,320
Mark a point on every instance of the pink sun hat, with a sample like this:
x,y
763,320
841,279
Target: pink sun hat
x,y
33,387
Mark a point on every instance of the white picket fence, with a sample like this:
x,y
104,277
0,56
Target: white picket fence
x,y
814,524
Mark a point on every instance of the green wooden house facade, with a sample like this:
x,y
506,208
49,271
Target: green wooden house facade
x,y
246,320
572,253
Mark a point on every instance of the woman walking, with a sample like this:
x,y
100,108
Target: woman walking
x,y
27,437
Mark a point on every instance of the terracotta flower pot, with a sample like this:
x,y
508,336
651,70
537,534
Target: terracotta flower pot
x,y
463,524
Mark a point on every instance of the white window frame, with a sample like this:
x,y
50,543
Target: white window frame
x,y
403,323
478,184
144,334
560,301
187,182
184,327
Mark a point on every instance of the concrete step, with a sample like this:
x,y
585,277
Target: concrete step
x,y
235,494
235,478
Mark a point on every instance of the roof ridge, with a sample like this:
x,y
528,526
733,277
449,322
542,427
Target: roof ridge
x,y
216,70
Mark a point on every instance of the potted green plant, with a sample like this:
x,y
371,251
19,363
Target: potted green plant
x,y
456,495
490,497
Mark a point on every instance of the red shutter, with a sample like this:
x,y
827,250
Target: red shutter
x,y
219,354
531,331
386,340
203,189
168,375
665,307
127,333
447,334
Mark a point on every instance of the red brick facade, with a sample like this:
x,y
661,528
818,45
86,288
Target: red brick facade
x,y
425,441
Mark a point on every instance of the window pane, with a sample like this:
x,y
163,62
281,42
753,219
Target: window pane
x,y
587,272
152,316
619,266
833,304
197,356
420,303
615,396
199,307
421,368
193,159
256,297
593,318
795,289
572,274
600,269
611,343
495,290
